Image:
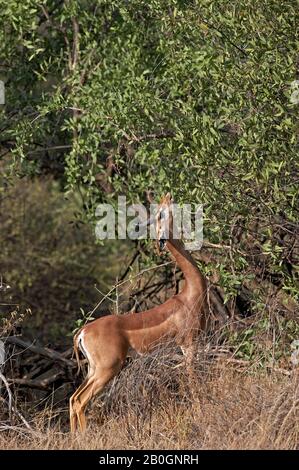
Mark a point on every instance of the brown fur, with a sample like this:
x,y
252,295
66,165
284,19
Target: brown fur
x,y
107,340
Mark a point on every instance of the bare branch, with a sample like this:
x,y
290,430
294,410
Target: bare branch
x,y
3,379
42,384
46,352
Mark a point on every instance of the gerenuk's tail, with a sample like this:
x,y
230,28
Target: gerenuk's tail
x,y
76,340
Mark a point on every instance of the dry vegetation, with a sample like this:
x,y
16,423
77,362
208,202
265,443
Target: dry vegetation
x,y
154,405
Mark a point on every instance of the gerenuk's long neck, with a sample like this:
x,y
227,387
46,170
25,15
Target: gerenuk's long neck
x,y
195,284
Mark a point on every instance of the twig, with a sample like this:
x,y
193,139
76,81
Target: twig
x,y
117,298
135,256
225,37
216,245
55,147
122,283
18,414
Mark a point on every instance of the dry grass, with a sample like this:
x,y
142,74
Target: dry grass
x,y
153,405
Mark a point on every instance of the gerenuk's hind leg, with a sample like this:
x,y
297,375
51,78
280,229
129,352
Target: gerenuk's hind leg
x,y
73,415
94,385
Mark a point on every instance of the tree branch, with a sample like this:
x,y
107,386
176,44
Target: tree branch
x,y
46,352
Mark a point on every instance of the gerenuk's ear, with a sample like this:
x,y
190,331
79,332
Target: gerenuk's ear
x,y
168,198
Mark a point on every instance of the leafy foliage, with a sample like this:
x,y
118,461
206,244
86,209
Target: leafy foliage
x,y
188,96
52,265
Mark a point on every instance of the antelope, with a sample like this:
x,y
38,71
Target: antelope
x,y
105,342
